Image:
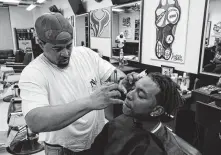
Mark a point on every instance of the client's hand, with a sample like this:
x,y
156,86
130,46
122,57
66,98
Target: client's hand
x,y
128,82
106,95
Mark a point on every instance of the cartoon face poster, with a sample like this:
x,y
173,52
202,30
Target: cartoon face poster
x,y
171,17
100,23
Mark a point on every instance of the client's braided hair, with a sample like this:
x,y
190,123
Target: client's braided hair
x,y
169,96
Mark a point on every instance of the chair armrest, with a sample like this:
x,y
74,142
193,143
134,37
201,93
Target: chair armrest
x,y
14,63
16,66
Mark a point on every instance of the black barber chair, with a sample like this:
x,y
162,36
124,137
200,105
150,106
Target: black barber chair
x,y
24,142
6,55
179,146
208,117
19,66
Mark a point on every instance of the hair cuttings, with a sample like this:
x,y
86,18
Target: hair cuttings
x,y
168,97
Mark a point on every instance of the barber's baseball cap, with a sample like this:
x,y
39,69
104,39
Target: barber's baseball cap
x,y
53,28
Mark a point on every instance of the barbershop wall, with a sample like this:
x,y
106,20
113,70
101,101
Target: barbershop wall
x,y
20,18
194,31
115,28
214,17
6,41
80,32
102,44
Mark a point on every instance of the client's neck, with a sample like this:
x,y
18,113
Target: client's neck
x,y
148,125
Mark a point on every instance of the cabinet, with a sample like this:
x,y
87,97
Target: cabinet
x,y
23,38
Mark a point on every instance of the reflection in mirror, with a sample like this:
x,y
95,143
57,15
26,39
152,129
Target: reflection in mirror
x,y
211,50
82,30
126,30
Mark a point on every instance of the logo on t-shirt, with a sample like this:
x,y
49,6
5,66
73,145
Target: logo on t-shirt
x,y
93,83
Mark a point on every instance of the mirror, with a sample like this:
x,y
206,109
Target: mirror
x,y
211,46
82,30
126,30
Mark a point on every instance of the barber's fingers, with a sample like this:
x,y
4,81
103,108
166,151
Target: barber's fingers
x,y
108,83
132,77
122,87
117,101
114,86
114,93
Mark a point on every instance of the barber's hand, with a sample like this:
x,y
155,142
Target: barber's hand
x,y
128,82
106,95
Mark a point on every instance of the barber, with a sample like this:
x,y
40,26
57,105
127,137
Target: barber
x,y
62,92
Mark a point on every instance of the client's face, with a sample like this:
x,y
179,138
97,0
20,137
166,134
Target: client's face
x,y
141,100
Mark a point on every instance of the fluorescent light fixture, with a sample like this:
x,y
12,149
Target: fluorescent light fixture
x,y
11,1
40,1
117,10
30,7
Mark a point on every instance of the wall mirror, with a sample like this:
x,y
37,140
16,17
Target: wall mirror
x,y
126,20
211,46
82,37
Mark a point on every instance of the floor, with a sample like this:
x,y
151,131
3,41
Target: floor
x,y
6,153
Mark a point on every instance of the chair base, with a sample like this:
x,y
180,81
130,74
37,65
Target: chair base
x,y
26,147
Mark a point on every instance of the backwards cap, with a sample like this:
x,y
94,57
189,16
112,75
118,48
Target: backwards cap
x,y
53,28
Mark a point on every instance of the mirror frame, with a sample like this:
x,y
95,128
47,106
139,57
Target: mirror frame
x,y
140,30
203,40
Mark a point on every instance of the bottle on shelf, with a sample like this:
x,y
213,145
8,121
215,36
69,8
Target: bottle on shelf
x,y
179,80
185,82
121,58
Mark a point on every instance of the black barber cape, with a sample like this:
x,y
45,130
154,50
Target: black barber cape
x,y
123,137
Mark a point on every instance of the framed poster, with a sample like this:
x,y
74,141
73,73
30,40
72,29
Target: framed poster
x,y
171,20
100,25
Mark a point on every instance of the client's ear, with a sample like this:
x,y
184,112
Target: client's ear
x,y
157,111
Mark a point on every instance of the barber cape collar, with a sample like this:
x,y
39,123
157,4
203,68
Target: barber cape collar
x,y
54,28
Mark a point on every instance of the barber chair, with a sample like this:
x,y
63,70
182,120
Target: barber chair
x,y
183,145
6,55
20,141
174,144
19,66
208,116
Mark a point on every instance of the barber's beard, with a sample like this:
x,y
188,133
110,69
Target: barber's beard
x,y
63,65
60,65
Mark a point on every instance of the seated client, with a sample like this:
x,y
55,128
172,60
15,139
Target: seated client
x,y
140,129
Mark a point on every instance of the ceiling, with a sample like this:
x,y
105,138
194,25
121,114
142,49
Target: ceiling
x,y
5,3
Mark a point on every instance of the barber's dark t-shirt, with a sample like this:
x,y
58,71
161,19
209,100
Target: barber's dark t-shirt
x,y
123,137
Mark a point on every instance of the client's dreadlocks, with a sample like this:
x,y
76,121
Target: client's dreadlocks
x,y
169,96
